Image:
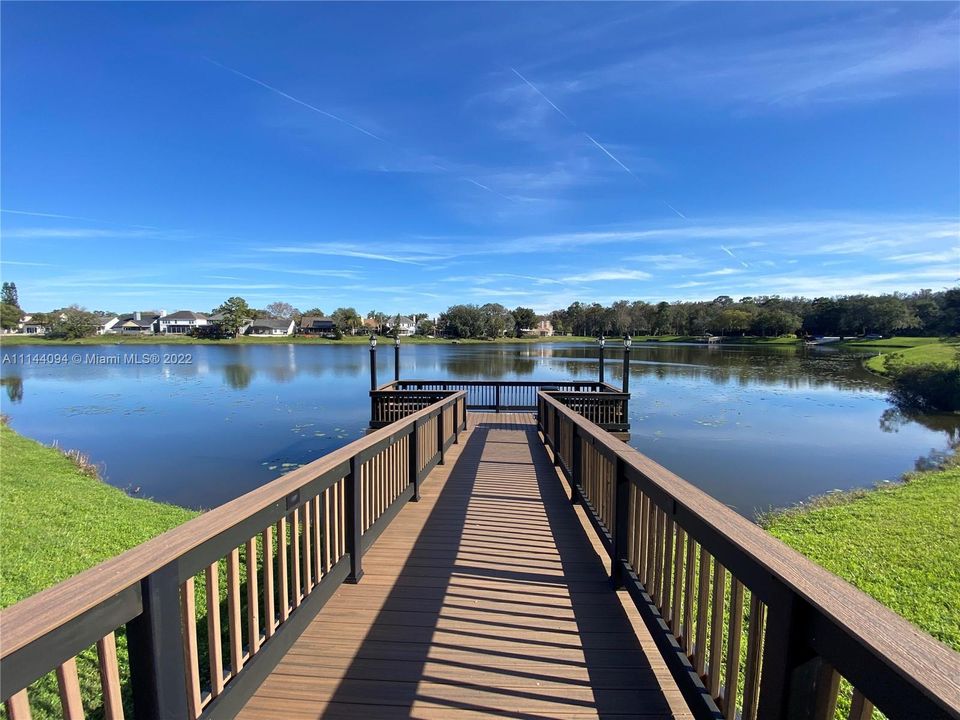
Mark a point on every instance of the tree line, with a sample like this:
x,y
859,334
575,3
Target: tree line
x,y
924,312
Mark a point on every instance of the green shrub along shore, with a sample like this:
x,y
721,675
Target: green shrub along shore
x,y
898,542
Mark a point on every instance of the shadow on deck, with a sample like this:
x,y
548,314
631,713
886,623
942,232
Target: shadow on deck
x,y
485,599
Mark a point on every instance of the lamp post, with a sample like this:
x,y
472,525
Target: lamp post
x,y
601,341
396,357
373,361
627,342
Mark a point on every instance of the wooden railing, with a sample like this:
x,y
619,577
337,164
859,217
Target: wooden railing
x,y
500,395
601,403
749,628
283,548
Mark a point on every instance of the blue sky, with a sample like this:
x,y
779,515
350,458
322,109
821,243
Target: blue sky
x,y
404,157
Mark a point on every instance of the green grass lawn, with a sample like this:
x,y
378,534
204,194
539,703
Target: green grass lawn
x,y
56,521
926,353
898,543
896,342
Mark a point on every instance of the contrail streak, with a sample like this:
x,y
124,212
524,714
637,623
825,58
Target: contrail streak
x,y
282,94
548,100
589,137
729,252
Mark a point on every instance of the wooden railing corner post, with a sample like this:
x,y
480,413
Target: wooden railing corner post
x,y
621,523
555,440
442,461
792,674
155,646
415,462
576,471
354,526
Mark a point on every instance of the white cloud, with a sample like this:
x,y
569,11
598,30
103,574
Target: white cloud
x,y
608,275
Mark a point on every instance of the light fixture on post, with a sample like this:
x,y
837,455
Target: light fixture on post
x,y
601,341
373,361
627,342
396,357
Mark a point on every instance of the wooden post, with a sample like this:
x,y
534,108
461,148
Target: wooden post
x,y
415,463
155,643
621,523
555,440
440,436
791,670
576,472
373,366
354,525
497,397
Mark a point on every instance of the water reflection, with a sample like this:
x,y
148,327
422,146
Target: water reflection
x,y
754,426
13,384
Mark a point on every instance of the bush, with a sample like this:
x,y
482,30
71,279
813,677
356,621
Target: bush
x,y
926,387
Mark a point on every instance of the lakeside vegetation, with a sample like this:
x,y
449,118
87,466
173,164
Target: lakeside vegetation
x,y
899,543
60,519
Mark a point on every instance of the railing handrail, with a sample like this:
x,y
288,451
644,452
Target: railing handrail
x,y
33,617
507,383
912,654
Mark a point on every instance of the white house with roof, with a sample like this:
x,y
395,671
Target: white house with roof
x,y
404,326
269,326
139,322
181,322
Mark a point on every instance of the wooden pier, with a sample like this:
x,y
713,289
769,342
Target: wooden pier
x,y
523,564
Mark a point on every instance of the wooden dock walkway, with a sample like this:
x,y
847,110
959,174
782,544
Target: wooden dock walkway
x,y
486,599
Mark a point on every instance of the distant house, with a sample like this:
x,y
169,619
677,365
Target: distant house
x,y
370,325
268,326
105,323
404,326
181,322
316,325
28,326
544,328
139,322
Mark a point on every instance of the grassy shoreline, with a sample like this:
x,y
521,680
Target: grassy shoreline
x,y
47,503
897,542
60,519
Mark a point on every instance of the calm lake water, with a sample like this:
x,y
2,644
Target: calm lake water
x,y
755,427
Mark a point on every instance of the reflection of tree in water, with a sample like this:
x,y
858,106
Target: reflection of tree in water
x,y
783,365
895,418
238,375
488,365
14,387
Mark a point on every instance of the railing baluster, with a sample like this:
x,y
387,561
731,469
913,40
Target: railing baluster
x,y
253,598
751,681
675,608
233,612
282,569
667,585
734,632
317,550
295,556
716,629
18,706
703,606
687,627
269,612
188,615
69,686
214,649
109,677
860,707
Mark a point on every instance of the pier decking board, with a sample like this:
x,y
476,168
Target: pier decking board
x,y
485,599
